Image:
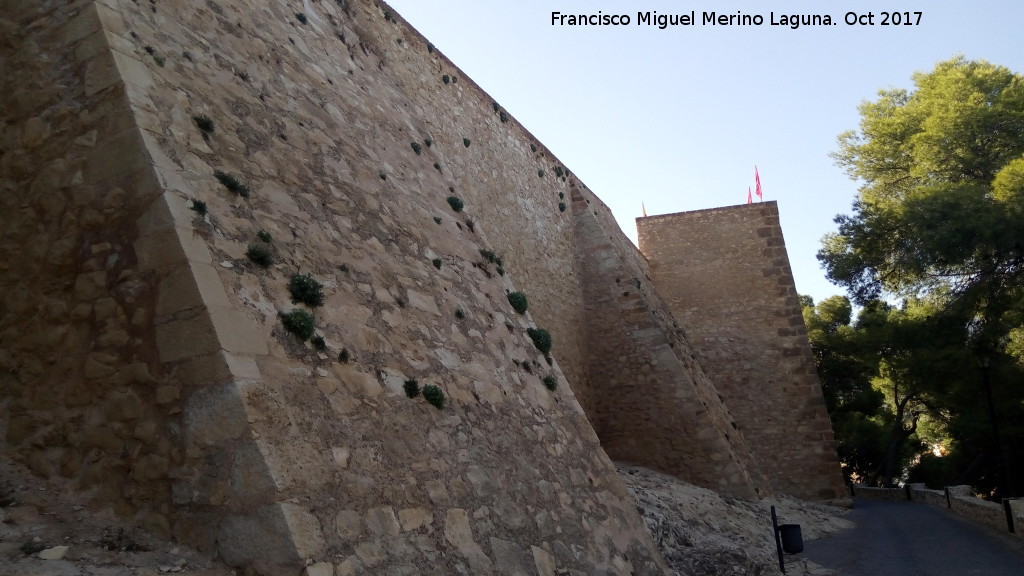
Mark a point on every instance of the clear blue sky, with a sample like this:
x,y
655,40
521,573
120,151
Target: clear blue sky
x,y
678,118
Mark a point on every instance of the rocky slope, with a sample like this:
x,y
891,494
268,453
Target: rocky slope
x,y
700,532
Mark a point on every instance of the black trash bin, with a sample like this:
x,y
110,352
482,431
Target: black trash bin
x,y
792,538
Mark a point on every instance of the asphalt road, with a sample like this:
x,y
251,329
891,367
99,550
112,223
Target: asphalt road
x,y
915,539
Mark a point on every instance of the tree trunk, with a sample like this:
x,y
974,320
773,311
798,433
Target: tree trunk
x,y
897,437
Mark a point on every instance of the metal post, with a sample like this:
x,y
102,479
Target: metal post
x,y
778,541
1003,487
1009,515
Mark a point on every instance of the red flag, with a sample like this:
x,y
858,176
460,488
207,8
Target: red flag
x,y
749,199
757,181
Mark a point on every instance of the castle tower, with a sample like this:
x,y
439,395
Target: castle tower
x,y
725,275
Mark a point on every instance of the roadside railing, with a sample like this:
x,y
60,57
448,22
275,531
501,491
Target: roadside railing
x,y
1007,516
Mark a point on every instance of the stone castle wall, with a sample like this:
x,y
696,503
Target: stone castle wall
x,y
725,275
644,373
143,356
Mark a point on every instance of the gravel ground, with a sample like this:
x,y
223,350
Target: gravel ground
x,y
703,533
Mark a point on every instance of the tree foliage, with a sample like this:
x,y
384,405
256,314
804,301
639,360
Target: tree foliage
x,y
941,206
939,223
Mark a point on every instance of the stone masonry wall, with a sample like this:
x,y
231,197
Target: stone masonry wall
x,y
725,275
143,355
644,373
207,420
84,392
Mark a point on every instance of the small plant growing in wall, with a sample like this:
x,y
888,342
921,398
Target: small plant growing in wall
x,y
437,263
533,147
428,142
503,116
437,165
430,48
437,219
264,236
459,313
232,183
260,254
540,172
518,302
383,176
305,289
558,172
416,148
490,256
411,387
446,78
204,123
199,207
301,17
343,356
434,395
319,343
465,142
550,382
496,106
541,339
561,206
298,322
456,203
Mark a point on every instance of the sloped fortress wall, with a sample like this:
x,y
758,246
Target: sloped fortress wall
x,y
143,355
654,405
725,275
148,147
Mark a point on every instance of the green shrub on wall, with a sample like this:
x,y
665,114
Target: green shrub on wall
x,y
319,343
434,395
305,289
204,123
518,302
299,322
541,339
456,203
260,254
412,388
232,183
